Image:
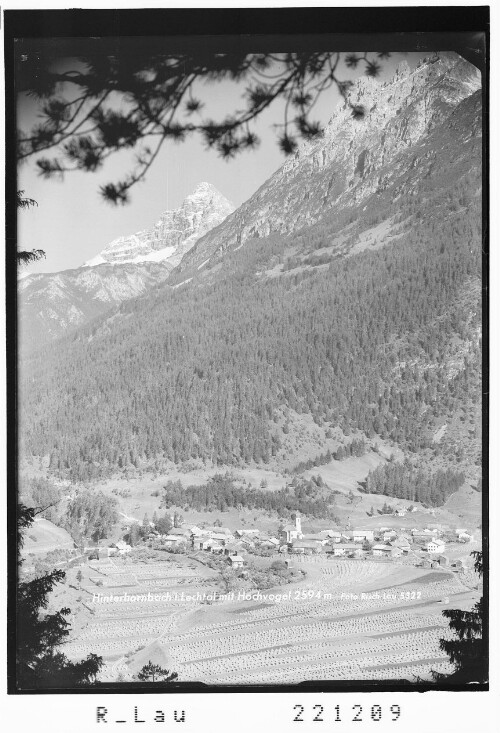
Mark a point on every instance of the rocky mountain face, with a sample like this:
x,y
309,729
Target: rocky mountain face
x,y
353,160
53,304
174,234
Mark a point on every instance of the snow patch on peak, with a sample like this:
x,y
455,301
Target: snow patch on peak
x,y
175,232
97,260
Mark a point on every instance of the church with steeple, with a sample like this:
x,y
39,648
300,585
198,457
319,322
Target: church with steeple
x,y
292,531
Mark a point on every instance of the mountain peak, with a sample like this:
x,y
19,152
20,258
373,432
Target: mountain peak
x,y
205,187
175,232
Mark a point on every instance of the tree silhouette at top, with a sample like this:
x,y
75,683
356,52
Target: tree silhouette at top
x,y
106,102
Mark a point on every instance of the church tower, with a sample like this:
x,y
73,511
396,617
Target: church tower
x,y
298,526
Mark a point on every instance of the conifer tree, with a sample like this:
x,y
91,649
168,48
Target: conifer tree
x,y
154,673
468,652
39,634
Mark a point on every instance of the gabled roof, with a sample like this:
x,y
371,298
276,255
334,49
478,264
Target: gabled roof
x,y
362,531
305,543
249,530
345,546
233,546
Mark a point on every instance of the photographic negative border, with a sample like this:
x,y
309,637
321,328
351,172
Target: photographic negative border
x,y
462,29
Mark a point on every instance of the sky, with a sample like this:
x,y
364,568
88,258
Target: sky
x,y
72,223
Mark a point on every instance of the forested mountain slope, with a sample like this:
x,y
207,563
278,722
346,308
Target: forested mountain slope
x,y
367,319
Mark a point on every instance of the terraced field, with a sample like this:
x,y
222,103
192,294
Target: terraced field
x,y
347,619
347,630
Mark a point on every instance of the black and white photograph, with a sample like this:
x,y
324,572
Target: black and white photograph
x,y
247,337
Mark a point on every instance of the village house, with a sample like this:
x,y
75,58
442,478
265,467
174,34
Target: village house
x,y
252,532
218,531
387,551
232,548
180,532
305,547
216,548
236,561
174,540
268,544
342,549
122,547
221,537
390,535
331,534
202,543
319,538
360,535
421,532
247,542
443,561
380,550
402,543
435,546
465,537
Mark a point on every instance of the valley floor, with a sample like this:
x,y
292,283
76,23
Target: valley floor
x,y
346,619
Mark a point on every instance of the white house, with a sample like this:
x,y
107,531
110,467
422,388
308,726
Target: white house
x,y
344,549
251,532
236,561
380,550
122,547
401,542
331,534
319,538
305,547
360,535
435,545
174,540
